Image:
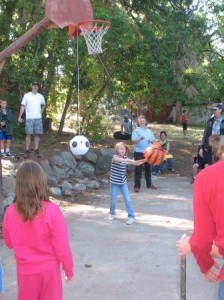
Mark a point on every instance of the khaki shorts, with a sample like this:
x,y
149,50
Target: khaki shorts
x,y
34,126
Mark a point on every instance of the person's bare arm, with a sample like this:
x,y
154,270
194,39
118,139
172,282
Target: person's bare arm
x,y
138,139
184,248
129,161
22,109
43,108
215,252
167,148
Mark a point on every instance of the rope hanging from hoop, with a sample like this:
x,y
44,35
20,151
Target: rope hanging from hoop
x,y
78,89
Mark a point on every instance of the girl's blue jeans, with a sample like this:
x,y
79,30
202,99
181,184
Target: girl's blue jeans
x,y
221,290
114,188
169,163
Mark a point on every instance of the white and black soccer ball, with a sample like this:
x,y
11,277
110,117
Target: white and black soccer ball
x,y
79,145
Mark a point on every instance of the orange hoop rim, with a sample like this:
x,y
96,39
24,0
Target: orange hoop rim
x,y
104,22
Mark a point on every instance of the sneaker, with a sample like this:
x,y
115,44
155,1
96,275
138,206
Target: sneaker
x,y
136,189
8,154
152,187
110,217
26,154
4,155
130,221
36,152
154,177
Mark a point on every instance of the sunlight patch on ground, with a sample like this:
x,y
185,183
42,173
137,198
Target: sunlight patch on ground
x,y
165,221
171,197
147,219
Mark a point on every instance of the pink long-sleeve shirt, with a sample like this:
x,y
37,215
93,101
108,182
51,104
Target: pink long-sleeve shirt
x,y
208,215
41,244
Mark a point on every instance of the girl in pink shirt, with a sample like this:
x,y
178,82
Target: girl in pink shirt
x,y
36,230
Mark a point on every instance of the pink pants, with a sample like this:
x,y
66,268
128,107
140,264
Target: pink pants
x,y
42,286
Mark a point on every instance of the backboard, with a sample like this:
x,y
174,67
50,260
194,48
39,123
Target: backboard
x,y
65,12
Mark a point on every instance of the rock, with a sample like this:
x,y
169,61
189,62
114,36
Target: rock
x,y
107,151
69,160
60,173
55,191
86,169
78,180
91,156
66,186
9,184
78,174
68,193
93,184
51,177
103,164
9,200
7,165
56,160
79,187
104,181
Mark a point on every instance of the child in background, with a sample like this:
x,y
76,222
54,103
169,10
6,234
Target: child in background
x,y
166,146
118,181
169,157
199,162
36,230
184,122
6,117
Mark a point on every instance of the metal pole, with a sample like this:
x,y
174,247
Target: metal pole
x,y
183,272
183,269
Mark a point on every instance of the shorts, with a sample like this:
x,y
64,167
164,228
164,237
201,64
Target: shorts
x,y
34,126
5,137
184,126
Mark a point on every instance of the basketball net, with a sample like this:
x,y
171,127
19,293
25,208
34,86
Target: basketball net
x,y
93,32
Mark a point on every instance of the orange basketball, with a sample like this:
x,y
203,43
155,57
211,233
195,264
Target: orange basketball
x,y
155,154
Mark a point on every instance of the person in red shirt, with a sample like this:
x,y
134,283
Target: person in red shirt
x,y
36,230
207,239
184,122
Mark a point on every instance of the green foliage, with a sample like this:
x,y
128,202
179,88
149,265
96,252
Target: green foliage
x,y
156,52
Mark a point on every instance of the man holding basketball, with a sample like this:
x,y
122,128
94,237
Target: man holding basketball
x,y
142,137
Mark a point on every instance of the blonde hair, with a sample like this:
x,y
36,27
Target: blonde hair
x,y
121,144
220,150
142,117
31,189
214,142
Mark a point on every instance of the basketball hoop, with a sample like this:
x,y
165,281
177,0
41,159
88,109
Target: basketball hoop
x,y
93,32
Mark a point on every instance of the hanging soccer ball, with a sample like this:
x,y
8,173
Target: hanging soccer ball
x,y
79,145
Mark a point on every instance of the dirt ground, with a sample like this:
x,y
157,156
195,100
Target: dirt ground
x,y
50,144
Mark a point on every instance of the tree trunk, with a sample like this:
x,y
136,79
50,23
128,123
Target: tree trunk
x,y
178,112
68,101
